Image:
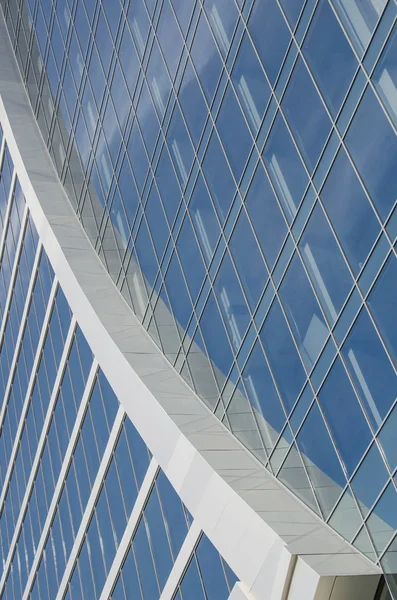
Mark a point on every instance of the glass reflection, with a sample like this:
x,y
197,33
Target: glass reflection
x,y
359,17
385,76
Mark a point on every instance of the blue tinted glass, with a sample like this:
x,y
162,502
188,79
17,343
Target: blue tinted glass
x,y
266,216
109,399
250,83
303,312
146,255
383,300
204,219
370,368
139,161
359,17
158,79
189,254
206,58
285,167
306,114
157,223
248,259
147,120
138,451
371,469
214,335
292,9
349,210
318,453
177,292
130,577
105,529
169,37
158,538
222,16
329,56
377,161
168,185
139,22
219,177
115,499
191,584
388,438
271,36
145,564
325,264
385,510
98,567
261,389
173,512
192,102
283,356
341,409
126,471
234,133
385,76
211,570
232,303
183,10
179,146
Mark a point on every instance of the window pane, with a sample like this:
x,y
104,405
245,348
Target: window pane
x,y
377,161
342,409
329,55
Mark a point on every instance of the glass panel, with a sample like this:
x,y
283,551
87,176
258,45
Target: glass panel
x,y
377,161
306,114
385,75
234,133
371,469
285,168
329,55
383,301
359,17
250,84
271,36
322,463
370,368
303,312
283,356
325,264
350,212
341,409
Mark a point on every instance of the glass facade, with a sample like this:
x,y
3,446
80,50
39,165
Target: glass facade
x,y
233,163
72,463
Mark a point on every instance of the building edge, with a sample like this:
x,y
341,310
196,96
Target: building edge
x,y
258,525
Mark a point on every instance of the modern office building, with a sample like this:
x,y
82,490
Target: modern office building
x,y
198,299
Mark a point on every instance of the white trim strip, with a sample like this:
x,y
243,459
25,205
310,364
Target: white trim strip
x,y
182,560
45,427
106,459
21,332
144,493
67,459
